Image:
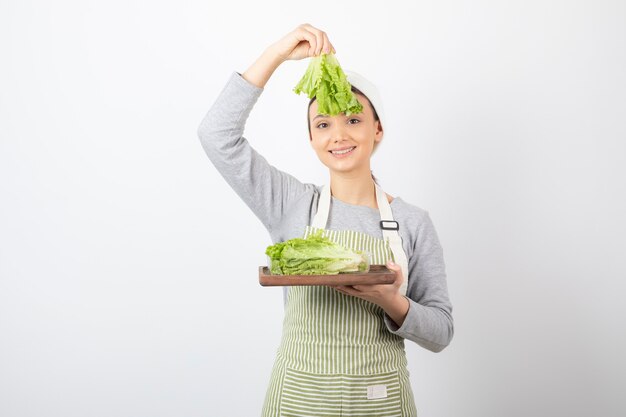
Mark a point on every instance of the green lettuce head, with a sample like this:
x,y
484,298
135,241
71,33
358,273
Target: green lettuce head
x,y
325,80
315,255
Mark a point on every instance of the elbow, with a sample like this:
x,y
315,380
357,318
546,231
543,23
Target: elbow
x,y
207,131
215,139
437,344
209,138
445,337
431,327
436,348
203,132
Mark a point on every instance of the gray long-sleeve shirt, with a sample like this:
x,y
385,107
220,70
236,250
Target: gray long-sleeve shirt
x,y
285,206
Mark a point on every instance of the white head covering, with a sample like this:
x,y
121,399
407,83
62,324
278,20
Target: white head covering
x,y
370,91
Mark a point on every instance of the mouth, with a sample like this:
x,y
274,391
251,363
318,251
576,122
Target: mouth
x,y
343,152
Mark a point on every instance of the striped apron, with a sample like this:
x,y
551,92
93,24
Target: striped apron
x,y
336,357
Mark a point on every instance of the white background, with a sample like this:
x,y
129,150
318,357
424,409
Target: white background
x,y
128,268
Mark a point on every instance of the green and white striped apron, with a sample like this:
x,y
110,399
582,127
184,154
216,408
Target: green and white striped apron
x,y
336,357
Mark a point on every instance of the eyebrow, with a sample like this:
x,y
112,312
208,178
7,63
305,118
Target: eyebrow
x,y
325,115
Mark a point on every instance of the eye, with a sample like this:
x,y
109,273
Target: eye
x,y
323,123
357,120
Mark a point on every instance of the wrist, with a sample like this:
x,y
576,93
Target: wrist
x,y
263,68
397,308
271,55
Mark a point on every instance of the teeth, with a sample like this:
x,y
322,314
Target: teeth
x,y
344,151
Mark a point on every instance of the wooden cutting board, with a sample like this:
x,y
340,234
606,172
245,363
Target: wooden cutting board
x,y
378,274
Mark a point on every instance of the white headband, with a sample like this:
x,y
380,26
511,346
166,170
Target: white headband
x,y
370,91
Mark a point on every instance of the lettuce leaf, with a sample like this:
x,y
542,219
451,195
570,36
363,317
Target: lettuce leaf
x,y
315,255
325,80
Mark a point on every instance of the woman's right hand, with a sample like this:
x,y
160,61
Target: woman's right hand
x,y
303,42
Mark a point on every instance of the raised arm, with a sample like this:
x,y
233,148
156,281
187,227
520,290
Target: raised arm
x,y
264,188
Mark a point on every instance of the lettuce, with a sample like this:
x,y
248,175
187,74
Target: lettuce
x,y
315,255
325,80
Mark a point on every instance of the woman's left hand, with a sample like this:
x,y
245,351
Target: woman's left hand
x,y
387,296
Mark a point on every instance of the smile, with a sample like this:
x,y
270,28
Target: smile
x,y
342,153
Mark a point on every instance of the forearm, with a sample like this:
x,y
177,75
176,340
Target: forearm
x,y
397,308
262,69
430,327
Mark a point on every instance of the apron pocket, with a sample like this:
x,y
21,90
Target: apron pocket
x,y
308,394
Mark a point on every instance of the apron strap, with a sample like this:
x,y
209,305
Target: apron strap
x,y
390,229
388,224
323,208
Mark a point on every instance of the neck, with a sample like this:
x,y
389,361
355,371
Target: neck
x,y
354,189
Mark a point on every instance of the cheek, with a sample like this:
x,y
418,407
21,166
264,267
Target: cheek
x,y
316,139
319,146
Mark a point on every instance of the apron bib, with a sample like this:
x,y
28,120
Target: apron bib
x,y
336,356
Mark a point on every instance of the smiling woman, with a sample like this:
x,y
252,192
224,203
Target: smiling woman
x,y
342,350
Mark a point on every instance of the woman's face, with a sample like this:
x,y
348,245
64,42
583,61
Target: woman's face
x,y
358,132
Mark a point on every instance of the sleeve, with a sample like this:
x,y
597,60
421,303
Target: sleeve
x,y
264,188
429,320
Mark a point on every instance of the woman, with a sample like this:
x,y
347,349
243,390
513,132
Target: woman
x,y
342,350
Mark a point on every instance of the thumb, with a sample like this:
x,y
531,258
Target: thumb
x,y
392,265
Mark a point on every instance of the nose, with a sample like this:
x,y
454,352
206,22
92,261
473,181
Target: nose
x,y
339,131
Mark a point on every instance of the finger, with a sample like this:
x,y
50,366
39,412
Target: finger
x,y
312,40
397,270
367,289
344,289
393,266
319,38
327,49
323,43
305,33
